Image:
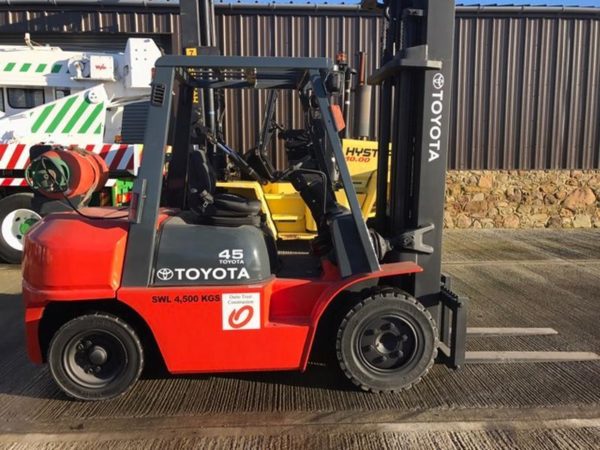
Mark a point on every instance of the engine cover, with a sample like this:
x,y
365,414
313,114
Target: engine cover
x,y
67,255
192,254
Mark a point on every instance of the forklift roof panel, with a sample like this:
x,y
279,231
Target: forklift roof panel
x,y
238,72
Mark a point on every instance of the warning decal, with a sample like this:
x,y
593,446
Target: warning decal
x,y
241,311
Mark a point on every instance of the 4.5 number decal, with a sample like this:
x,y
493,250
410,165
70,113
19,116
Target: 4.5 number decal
x,y
237,253
233,256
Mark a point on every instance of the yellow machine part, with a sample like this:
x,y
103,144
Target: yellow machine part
x,y
287,215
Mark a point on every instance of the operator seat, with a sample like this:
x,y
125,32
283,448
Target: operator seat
x,y
214,207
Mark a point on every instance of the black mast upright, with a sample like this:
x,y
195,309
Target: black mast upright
x,y
198,37
415,79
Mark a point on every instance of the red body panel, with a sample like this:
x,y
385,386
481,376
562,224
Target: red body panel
x,y
68,257
33,316
192,338
264,326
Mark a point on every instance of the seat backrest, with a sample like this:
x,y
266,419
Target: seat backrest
x,y
201,174
202,181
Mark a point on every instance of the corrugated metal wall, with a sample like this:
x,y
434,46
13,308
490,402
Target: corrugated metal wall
x,y
285,34
526,84
19,18
526,87
526,93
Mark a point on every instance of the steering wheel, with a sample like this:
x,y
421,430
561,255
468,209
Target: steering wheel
x,y
240,162
235,156
266,130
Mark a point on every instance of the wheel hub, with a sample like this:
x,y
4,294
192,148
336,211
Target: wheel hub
x,y
387,343
98,355
89,357
16,224
26,225
95,359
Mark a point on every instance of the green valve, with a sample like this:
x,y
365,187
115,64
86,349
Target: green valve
x,y
48,174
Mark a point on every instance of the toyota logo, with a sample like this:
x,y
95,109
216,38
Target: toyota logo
x,y
438,80
164,274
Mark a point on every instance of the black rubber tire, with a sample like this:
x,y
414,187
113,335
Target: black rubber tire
x,y
400,306
20,200
132,353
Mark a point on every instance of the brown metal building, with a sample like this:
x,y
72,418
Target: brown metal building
x,y
526,84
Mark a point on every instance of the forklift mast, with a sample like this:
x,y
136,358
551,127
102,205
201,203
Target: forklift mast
x,y
415,82
199,37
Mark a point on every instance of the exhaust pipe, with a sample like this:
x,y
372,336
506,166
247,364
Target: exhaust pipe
x,y
362,118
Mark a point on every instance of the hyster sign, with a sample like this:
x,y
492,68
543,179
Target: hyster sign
x,y
435,124
241,311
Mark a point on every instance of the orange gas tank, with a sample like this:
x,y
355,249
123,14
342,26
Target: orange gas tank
x,y
67,172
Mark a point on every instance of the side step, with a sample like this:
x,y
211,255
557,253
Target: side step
x,y
285,218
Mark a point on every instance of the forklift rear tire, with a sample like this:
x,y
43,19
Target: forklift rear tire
x,y
95,357
386,342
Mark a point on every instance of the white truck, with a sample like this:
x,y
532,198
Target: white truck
x,y
69,98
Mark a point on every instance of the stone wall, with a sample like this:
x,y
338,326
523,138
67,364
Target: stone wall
x,y
522,199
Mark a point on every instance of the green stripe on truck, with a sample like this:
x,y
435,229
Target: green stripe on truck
x,y
25,67
10,66
56,68
41,68
88,123
41,118
61,115
84,105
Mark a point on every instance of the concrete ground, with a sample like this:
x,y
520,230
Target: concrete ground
x,y
513,278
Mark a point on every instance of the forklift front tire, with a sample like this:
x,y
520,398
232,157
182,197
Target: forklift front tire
x,y
386,342
95,357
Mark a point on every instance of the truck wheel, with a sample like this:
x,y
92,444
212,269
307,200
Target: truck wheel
x,y
16,218
95,357
386,342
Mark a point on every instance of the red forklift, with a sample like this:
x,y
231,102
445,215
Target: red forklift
x,y
190,275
